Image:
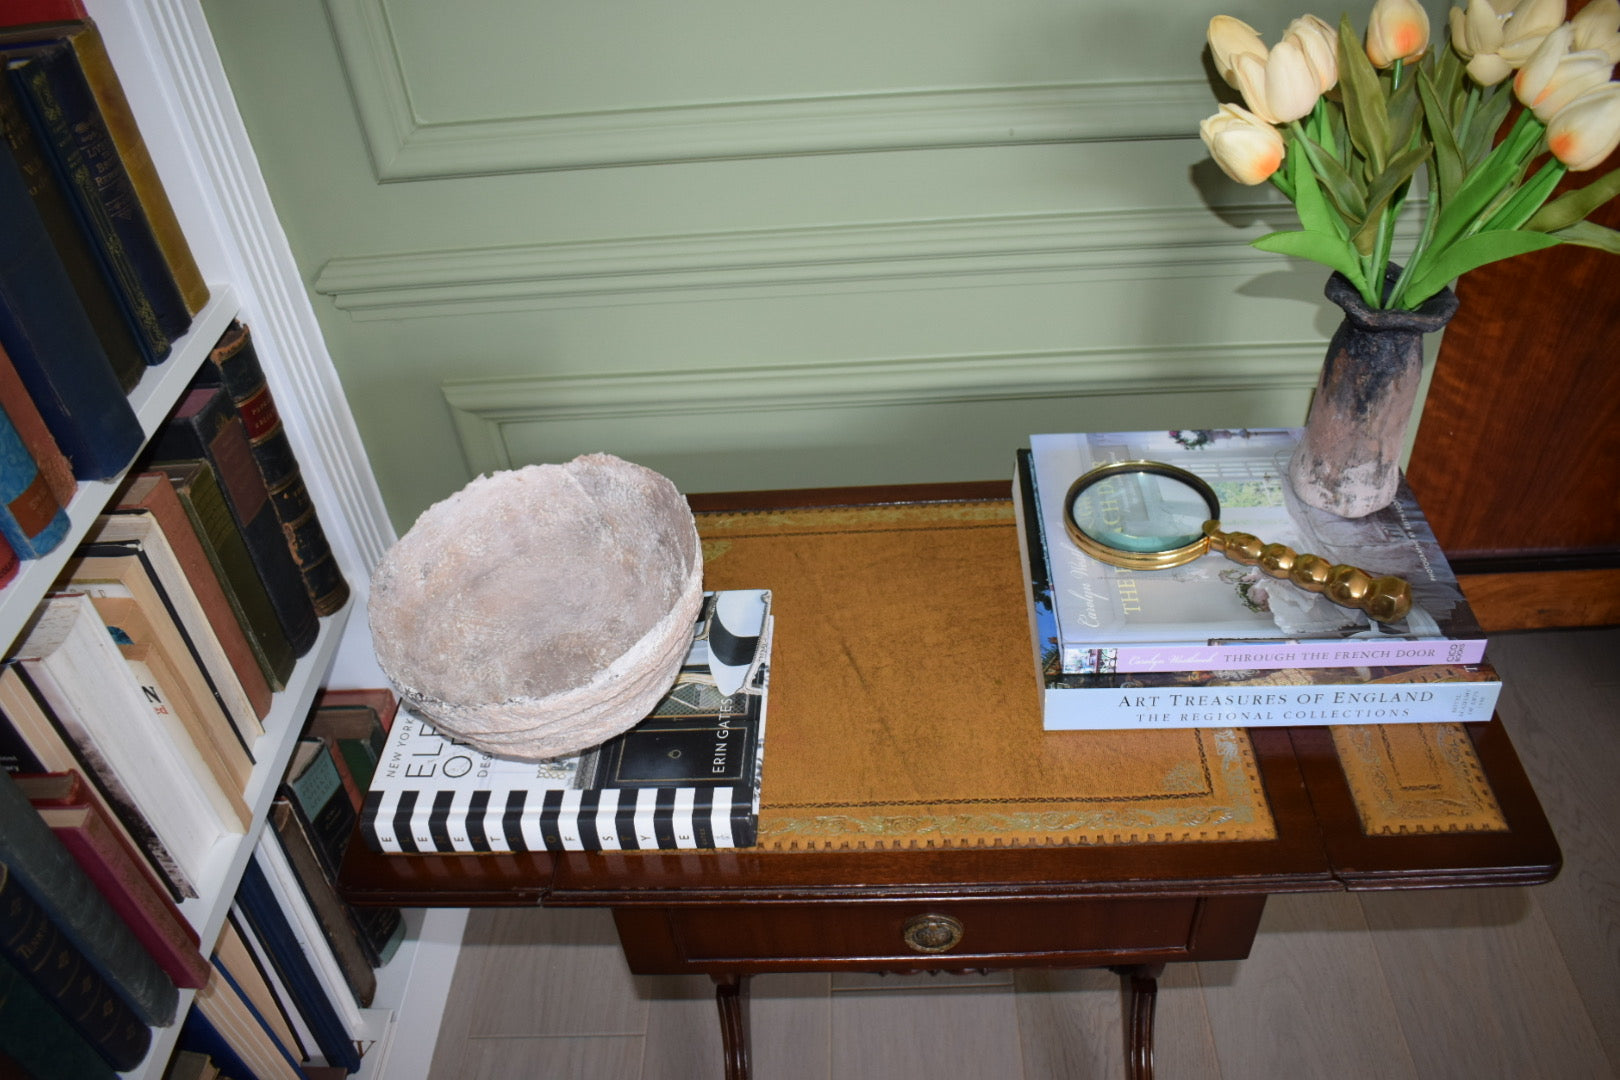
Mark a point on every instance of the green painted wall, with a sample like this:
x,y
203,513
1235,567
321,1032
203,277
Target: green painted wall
x,y
760,244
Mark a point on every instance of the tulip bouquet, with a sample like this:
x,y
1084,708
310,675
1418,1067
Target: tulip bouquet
x,y
1342,126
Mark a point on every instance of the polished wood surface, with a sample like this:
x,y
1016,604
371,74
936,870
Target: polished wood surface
x,y
1515,457
732,913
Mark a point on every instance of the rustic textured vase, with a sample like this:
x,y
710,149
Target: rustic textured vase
x,y
1348,462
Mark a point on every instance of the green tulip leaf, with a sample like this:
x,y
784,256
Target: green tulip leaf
x,y
1528,199
1314,212
1391,185
1337,184
1440,267
1328,250
1476,142
1363,97
1590,234
1573,206
1483,191
1447,157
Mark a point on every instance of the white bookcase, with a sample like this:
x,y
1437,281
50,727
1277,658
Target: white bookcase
x,y
171,72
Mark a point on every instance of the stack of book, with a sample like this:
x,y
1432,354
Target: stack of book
x,y
687,776
1214,643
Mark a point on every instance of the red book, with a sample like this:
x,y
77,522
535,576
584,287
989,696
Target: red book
x,y
48,457
9,562
119,873
27,12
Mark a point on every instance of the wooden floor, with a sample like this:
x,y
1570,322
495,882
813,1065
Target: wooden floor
x,y
1466,984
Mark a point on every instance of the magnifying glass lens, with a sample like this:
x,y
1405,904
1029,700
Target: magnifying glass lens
x,y
1141,512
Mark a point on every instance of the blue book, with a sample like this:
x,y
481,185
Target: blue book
x,y
270,924
53,345
38,1038
62,110
31,519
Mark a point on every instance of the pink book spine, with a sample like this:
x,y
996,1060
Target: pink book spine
x,y
138,899
1350,652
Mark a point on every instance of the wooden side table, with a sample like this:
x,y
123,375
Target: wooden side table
x,y
904,749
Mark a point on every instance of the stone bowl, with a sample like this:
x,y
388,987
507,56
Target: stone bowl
x,y
541,611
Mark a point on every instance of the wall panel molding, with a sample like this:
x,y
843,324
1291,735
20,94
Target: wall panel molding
x,y
479,280
404,146
487,411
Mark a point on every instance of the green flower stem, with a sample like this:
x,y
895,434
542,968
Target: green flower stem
x,y
1397,296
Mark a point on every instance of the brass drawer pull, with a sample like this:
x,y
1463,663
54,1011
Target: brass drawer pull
x,y
932,933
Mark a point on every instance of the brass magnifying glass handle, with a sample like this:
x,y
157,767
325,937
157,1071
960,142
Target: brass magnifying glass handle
x,y
1384,599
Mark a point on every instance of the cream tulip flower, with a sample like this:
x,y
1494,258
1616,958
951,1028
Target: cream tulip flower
x,y
1477,33
1230,38
1320,44
1280,86
1587,130
1597,26
1396,30
1554,77
1246,148
1530,23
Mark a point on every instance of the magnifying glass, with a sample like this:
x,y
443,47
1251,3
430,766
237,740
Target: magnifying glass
x,y
1145,515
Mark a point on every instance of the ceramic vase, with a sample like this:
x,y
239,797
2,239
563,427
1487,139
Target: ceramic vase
x,y
1348,462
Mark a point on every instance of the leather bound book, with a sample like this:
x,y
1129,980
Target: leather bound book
x,y
205,427
198,492
121,873
53,344
31,520
236,363
24,12
38,1038
54,880
79,258
32,943
63,111
132,149
31,427
9,563
338,924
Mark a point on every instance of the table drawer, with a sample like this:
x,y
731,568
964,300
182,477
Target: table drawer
x,y
972,933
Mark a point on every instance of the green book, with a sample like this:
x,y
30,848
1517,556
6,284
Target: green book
x,y
194,482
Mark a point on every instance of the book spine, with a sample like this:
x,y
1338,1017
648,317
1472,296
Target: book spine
x,y
197,489
31,428
1265,655
270,923
215,434
646,819
55,881
80,260
31,520
126,135
120,874
31,942
53,344
339,925
1148,708
35,1035
160,500
240,372
64,113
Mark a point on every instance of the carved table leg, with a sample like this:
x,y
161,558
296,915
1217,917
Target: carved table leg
x,y
1140,983
731,995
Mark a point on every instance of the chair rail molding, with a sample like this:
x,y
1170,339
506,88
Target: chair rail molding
x,y
487,411
1145,243
404,146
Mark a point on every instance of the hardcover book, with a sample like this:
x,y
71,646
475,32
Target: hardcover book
x,y
66,804
236,364
685,777
53,879
35,1035
64,114
197,489
35,434
52,342
205,427
32,521
1214,614
1243,696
